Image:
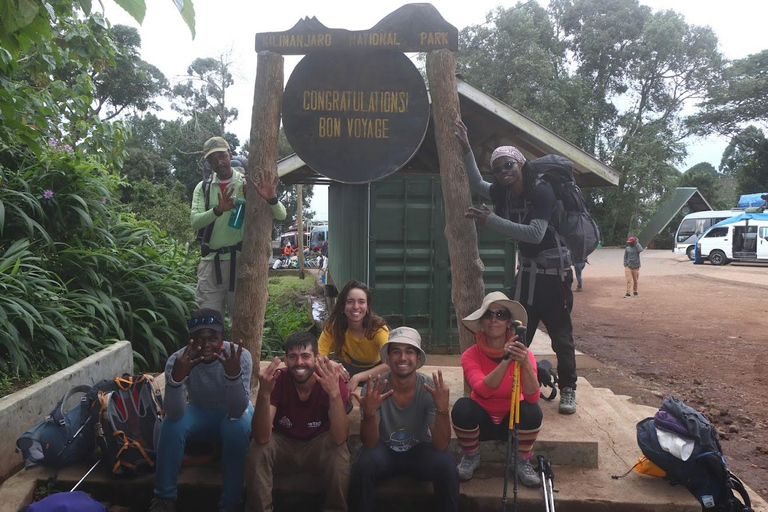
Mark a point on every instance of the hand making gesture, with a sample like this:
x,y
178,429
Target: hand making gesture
x,y
232,361
266,188
441,393
374,396
479,215
186,361
268,376
327,374
226,201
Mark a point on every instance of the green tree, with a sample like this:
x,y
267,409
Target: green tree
x,y
205,90
131,82
710,184
741,98
746,158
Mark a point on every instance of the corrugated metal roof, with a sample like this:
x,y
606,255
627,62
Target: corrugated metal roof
x,y
667,211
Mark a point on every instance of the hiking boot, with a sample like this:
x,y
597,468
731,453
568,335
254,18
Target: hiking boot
x,y
578,288
567,401
468,465
526,474
626,295
635,294
161,505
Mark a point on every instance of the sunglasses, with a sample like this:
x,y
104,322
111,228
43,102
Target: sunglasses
x,y
503,167
206,320
501,314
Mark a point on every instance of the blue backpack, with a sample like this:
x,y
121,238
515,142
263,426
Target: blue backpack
x,y
63,438
705,473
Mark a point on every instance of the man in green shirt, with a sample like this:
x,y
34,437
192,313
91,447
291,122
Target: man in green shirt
x,y
217,271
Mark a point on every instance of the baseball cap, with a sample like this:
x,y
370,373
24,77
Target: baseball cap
x,y
215,144
206,318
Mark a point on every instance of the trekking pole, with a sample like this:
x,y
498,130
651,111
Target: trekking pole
x,y
543,477
85,476
551,483
514,420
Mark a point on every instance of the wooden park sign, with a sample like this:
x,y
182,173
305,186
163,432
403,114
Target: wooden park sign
x,y
355,108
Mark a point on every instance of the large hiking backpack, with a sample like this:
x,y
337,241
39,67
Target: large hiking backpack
x,y
704,472
575,227
63,438
128,412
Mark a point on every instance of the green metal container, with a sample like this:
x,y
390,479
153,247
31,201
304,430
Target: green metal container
x,y
390,234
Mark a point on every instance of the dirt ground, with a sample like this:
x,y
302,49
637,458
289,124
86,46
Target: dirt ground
x,y
699,332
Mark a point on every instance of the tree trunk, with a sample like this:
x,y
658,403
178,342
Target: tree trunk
x,y
251,297
300,221
467,287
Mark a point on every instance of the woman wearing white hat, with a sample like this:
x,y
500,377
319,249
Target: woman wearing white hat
x,y
484,415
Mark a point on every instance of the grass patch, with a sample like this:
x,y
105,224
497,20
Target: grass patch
x,y
12,383
283,288
288,311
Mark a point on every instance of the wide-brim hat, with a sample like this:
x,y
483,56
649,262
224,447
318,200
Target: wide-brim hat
x,y
406,336
517,310
213,145
206,318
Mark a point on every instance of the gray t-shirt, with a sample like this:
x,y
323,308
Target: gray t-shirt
x,y
402,428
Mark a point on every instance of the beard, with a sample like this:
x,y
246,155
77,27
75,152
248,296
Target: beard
x,y
299,376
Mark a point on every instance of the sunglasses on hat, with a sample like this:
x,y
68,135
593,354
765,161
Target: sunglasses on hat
x,y
503,167
205,320
501,314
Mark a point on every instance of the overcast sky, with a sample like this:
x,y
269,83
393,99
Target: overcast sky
x,y
230,26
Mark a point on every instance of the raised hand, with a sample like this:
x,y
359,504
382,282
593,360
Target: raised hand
x,y
441,393
232,361
266,188
461,135
479,215
226,201
327,374
374,396
186,361
268,376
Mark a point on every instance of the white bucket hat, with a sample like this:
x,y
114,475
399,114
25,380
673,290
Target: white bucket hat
x,y
517,310
406,336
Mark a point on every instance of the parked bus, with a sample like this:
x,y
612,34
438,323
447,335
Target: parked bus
x,y
694,224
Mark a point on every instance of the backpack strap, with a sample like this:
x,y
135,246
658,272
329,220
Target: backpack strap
x,y
57,414
737,485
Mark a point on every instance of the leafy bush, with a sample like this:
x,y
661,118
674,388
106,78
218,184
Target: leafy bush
x,y
287,312
77,273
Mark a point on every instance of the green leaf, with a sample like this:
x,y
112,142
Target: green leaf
x,y
18,14
86,6
187,11
136,8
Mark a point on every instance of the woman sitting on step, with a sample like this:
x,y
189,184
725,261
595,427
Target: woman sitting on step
x,y
485,415
355,334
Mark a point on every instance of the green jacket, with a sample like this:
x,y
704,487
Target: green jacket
x,y
222,235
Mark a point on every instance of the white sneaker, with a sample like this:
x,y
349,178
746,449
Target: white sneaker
x,y
468,465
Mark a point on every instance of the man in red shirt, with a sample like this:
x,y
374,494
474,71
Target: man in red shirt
x,y
299,423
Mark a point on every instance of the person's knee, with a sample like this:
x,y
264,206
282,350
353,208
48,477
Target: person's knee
x,y
444,467
368,462
462,413
236,431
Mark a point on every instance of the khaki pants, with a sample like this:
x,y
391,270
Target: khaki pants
x,y
283,455
210,294
632,275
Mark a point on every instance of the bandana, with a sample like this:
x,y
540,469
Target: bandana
x,y
493,353
510,151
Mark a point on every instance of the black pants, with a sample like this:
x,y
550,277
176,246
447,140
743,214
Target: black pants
x,y
552,305
421,462
468,414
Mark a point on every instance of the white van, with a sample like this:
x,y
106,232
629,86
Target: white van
x,y
696,223
741,238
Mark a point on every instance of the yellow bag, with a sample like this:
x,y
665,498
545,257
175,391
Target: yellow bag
x,y
646,467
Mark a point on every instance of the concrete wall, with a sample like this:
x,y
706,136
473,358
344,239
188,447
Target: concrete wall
x,y
21,410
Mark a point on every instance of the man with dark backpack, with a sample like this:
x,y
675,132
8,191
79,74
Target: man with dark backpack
x,y
220,241
207,398
527,209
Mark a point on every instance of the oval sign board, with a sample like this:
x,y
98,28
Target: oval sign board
x,y
355,117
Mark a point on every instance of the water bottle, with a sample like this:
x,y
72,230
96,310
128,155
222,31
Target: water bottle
x,y
238,214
